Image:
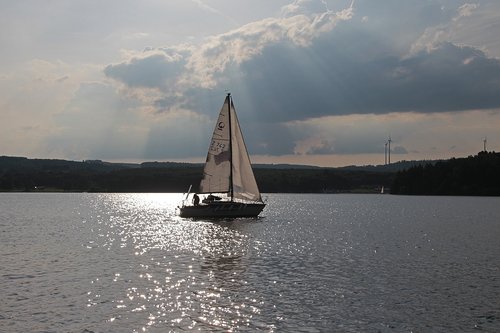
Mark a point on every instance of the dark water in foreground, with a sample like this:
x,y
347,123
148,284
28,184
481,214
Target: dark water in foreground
x,y
312,263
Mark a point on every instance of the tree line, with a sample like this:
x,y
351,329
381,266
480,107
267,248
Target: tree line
x,y
21,174
474,175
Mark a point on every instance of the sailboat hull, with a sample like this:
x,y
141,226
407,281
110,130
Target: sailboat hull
x,y
222,209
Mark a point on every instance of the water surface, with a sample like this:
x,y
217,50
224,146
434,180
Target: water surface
x,y
311,263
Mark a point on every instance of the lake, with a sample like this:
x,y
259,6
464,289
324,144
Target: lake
x,y
94,262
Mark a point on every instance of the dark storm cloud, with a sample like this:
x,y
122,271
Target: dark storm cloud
x,y
151,71
302,67
341,75
268,139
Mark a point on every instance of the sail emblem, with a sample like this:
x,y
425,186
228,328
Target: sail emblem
x,y
221,125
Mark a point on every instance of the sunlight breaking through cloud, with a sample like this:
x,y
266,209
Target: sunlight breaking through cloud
x,y
114,85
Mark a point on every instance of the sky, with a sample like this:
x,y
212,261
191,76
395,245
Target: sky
x,y
313,82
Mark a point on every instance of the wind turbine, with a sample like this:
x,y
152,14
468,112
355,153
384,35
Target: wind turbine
x,y
389,142
385,154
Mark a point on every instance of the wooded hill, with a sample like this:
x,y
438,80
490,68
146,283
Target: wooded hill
x,y
23,174
474,175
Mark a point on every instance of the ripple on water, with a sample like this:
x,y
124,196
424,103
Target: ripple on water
x,y
126,262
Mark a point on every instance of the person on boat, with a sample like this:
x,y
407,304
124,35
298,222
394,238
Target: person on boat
x,y
196,200
211,198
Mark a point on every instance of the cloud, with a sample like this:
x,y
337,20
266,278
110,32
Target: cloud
x,y
313,63
334,77
399,150
466,10
307,64
269,138
206,65
96,123
444,31
311,81
179,136
323,147
303,7
149,71
100,122
30,96
411,133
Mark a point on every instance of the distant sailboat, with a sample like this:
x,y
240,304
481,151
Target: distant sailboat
x,y
228,186
382,190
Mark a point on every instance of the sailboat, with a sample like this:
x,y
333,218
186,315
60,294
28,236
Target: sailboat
x,y
228,187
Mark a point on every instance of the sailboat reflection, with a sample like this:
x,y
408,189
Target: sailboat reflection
x,y
227,301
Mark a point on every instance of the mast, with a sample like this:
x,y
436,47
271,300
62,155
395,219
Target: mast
x,y
230,146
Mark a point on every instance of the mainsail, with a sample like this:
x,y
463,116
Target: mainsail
x,y
217,171
227,167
